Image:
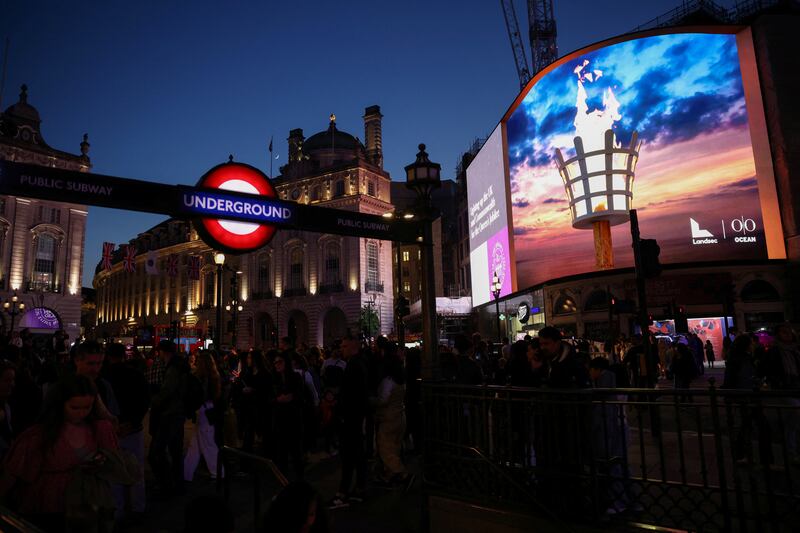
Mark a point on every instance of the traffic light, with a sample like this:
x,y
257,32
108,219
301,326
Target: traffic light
x,y
173,330
402,306
681,321
210,332
650,250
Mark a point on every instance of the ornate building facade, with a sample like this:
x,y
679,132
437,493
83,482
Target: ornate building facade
x,y
312,287
41,242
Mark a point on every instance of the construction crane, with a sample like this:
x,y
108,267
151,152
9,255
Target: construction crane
x,y
516,42
541,32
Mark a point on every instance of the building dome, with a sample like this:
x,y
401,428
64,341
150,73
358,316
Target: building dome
x,y
22,110
331,139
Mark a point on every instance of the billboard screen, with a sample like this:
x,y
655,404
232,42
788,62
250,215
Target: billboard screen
x,y
490,247
670,124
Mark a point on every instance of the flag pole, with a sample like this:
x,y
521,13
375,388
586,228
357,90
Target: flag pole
x,y
270,157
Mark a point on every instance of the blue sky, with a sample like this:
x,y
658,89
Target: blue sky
x,y
167,89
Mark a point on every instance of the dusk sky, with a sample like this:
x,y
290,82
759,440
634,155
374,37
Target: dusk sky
x,y
167,90
683,94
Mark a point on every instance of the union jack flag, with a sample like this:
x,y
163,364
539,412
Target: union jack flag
x,y
108,252
129,261
172,265
194,267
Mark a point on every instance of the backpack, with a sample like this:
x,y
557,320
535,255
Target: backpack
x,y
195,396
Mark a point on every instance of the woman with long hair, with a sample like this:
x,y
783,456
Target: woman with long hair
x,y
390,415
203,442
70,436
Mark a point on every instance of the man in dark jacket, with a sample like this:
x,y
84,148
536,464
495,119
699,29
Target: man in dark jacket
x,y
133,398
167,417
566,370
353,405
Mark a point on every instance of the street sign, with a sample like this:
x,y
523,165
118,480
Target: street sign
x,y
223,197
228,235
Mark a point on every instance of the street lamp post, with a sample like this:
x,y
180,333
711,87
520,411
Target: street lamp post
x,y
370,306
235,307
219,260
423,177
497,286
13,307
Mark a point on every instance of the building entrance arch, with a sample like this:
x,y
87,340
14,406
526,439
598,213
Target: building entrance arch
x,y
298,327
334,326
265,330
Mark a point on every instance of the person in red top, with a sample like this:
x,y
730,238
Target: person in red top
x,y
42,460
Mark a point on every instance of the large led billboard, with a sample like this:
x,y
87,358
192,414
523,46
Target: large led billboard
x,y
670,124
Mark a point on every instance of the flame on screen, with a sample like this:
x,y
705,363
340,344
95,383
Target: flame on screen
x,y
591,125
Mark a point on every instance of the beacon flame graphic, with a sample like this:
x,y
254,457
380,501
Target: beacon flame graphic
x,y
599,179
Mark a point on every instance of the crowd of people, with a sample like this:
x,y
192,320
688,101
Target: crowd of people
x,y
74,421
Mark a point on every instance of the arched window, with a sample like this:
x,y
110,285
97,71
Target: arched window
x,y
332,257
596,301
263,272
316,193
759,290
373,266
44,263
338,189
371,187
564,305
296,257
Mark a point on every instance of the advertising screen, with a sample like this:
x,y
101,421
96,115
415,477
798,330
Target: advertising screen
x,y
490,248
669,124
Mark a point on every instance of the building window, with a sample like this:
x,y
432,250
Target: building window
x,y
44,264
315,193
406,286
372,266
405,255
296,268
371,187
564,305
419,254
48,214
263,273
332,255
338,189
208,279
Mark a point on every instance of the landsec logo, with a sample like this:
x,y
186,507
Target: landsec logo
x,y
701,236
233,236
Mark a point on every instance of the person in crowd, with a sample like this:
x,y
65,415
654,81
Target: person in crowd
x,y
501,372
209,514
683,367
167,417
203,442
781,371
156,368
642,366
333,370
328,422
696,349
726,346
505,349
254,393
310,399
133,399
297,508
520,371
354,404
710,357
72,443
413,359
288,415
467,369
7,380
89,358
566,371
26,398
390,418
609,431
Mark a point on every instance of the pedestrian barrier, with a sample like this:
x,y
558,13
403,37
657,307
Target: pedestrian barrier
x,y
231,460
12,523
699,460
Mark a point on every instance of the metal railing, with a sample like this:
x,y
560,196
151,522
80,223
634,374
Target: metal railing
x,y
698,460
10,522
328,288
42,286
231,460
373,286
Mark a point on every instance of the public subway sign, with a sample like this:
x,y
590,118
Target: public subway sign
x,y
234,206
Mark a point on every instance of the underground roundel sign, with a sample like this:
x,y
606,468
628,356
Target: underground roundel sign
x,y
228,235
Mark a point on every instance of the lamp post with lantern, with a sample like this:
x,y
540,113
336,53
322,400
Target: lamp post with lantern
x,y
423,177
219,260
13,307
497,286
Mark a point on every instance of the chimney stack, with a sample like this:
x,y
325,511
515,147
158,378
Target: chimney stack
x,y
296,139
372,135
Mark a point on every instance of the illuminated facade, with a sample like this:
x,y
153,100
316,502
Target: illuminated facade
x,y
41,242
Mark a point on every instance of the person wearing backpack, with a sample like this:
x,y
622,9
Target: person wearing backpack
x,y
167,417
203,443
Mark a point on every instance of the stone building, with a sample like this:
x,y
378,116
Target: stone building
x,y
41,242
312,286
